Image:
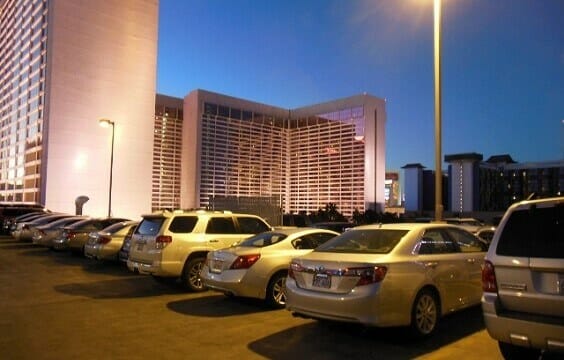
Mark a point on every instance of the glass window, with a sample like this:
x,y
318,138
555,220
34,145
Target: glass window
x,y
150,226
311,241
183,224
466,241
435,241
263,239
220,225
210,109
251,225
376,241
535,232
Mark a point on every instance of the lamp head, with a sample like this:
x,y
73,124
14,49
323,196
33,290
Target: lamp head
x,y
105,122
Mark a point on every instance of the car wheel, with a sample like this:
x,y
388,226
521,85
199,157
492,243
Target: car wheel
x,y
276,291
510,351
424,314
191,275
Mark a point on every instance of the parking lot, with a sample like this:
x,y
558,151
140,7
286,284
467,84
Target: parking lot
x,y
55,305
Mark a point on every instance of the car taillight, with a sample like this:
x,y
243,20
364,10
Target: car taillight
x,y
70,235
367,275
245,261
104,239
162,241
294,267
489,283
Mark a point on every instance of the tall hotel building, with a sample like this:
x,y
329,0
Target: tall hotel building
x,y
298,159
65,64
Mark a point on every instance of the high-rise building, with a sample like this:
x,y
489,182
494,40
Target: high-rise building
x,y
65,64
167,149
298,160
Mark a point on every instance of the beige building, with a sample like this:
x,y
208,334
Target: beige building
x,y
297,159
65,64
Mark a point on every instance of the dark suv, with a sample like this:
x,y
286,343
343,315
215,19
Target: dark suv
x,y
523,280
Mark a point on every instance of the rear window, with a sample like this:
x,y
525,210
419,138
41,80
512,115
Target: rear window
x,y
150,226
535,232
376,241
264,239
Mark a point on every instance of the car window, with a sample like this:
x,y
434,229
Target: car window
x,y
466,242
435,241
251,225
150,226
375,241
183,224
263,239
538,232
220,225
311,241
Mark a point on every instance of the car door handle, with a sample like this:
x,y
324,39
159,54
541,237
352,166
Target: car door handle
x,y
431,264
214,240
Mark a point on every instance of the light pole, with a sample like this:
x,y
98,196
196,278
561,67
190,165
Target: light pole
x,y
106,123
438,136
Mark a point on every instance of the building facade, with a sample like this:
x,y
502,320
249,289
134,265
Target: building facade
x,y
65,64
297,160
167,150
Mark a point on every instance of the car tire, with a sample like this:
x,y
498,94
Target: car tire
x,y
276,291
191,279
510,351
424,314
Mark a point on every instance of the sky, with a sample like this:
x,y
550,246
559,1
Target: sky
x,y
502,66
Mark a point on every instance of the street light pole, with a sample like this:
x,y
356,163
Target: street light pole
x,y
106,123
438,135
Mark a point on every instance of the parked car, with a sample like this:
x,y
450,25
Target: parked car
x,y
74,236
469,224
123,254
17,223
174,244
523,280
486,233
44,234
9,211
339,226
405,274
25,231
106,243
257,267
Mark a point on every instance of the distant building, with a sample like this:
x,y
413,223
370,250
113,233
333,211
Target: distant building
x,y
392,194
65,64
491,185
419,189
296,160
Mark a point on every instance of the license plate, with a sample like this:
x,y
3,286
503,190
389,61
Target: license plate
x,y
322,281
139,247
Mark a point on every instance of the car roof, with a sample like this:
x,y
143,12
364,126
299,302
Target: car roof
x,y
406,226
294,230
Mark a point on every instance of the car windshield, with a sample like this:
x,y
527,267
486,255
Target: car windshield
x,y
373,241
263,239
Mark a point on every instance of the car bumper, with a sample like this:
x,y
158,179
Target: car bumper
x,y
60,244
155,267
520,331
233,282
365,305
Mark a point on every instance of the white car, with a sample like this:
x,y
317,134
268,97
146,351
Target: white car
x,y
389,275
174,244
257,267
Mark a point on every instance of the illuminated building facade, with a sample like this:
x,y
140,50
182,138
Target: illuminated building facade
x,y
167,148
299,159
65,64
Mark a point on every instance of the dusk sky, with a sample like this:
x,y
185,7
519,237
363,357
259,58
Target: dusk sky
x,y
503,66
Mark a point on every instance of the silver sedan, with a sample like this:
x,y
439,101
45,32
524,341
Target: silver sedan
x,y
389,275
258,266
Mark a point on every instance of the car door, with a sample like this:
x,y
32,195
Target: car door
x,y
441,258
221,232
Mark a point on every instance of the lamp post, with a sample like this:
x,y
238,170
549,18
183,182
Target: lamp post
x,y
438,135
106,123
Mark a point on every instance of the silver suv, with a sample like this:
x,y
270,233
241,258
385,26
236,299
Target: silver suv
x,y
175,244
523,280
